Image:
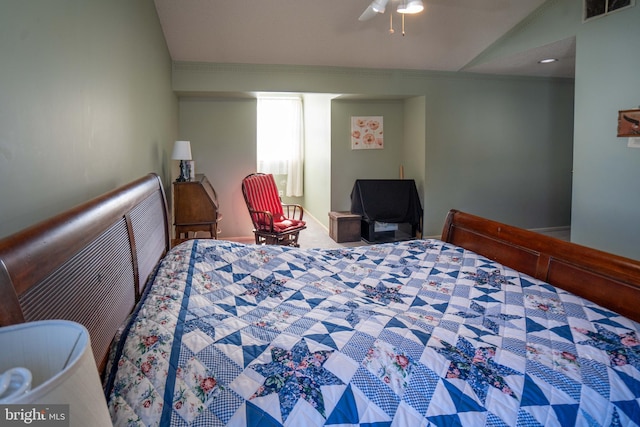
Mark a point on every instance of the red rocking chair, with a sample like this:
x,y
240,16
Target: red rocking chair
x,y
274,223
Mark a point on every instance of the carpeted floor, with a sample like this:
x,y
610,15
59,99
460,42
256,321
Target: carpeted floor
x,y
317,236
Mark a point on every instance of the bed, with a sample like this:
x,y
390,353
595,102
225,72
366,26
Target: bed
x,y
489,325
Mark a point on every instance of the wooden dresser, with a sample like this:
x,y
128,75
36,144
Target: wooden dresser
x,y
195,208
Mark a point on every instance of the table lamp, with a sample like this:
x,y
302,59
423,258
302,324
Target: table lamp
x,y
65,381
182,152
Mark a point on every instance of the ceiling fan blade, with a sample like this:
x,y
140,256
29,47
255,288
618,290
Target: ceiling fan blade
x,y
376,7
367,14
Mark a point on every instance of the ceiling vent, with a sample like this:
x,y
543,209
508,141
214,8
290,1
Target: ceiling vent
x,y
596,8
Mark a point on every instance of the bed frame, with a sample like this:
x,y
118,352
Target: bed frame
x,y
609,280
91,264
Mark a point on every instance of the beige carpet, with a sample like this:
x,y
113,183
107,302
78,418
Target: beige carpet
x,y
317,236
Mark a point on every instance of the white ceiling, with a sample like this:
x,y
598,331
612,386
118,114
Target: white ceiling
x,y
445,37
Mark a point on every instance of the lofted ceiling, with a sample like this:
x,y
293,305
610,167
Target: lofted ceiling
x,y
446,36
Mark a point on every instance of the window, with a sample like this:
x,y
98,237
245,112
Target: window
x,y
280,139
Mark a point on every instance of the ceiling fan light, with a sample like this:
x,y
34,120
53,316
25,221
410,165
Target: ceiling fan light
x,y
411,6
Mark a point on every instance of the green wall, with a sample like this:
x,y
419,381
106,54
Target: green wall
x,y
85,103
317,152
606,193
500,149
605,198
347,165
414,156
495,146
222,132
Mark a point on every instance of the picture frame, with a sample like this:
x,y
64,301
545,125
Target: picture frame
x,y
629,123
367,133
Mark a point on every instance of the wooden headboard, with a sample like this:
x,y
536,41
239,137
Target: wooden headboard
x,y
609,280
89,264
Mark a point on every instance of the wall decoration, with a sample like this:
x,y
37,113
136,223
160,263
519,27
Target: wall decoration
x,y
629,123
366,133
595,8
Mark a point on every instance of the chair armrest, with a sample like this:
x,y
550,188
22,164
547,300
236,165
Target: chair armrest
x,y
262,220
293,211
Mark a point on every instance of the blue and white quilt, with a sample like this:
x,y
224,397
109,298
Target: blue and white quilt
x,y
417,333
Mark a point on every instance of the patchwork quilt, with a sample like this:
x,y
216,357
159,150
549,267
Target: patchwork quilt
x,y
417,333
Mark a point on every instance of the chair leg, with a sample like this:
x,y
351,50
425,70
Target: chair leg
x,y
290,240
282,240
271,240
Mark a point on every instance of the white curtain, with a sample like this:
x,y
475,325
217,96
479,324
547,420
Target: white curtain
x,y
280,139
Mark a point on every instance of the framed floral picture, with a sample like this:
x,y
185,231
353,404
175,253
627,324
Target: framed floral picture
x,y
366,133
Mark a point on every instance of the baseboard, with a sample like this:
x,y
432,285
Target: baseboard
x,y
318,222
545,230
551,231
563,233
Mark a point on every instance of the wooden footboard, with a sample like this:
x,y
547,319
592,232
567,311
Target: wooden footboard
x,y
609,280
89,264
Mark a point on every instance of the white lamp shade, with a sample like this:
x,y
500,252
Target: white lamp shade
x,y
181,150
58,354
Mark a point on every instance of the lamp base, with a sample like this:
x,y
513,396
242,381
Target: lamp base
x,y
184,172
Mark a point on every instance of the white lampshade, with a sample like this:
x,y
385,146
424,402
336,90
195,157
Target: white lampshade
x,y
58,354
181,150
412,6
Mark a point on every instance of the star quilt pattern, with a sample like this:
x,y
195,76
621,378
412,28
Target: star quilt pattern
x,y
416,333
